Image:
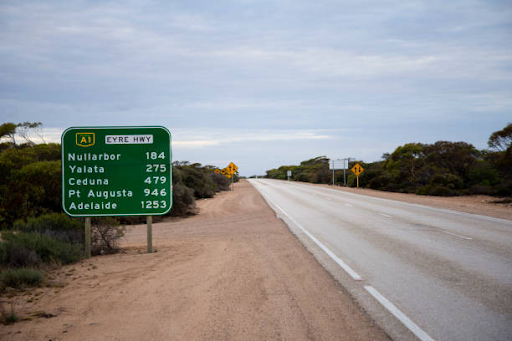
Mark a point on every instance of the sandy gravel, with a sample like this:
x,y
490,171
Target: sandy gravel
x,y
234,272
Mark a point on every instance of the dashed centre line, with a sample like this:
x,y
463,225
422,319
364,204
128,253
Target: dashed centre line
x,y
385,215
457,235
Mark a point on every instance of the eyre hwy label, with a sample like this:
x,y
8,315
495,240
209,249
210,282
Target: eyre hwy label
x,y
116,171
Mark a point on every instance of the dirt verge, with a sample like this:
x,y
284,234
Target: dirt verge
x,y
234,272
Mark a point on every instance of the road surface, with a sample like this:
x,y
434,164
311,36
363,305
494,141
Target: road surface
x,y
437,274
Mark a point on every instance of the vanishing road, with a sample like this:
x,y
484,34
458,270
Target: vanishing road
x,y
444,275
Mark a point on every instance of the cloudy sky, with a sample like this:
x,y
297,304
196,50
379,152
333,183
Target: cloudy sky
x,y
262,83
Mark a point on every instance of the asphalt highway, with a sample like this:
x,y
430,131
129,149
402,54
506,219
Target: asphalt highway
x,y
439,274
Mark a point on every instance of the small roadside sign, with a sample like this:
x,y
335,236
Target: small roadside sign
x,y
357,169
225,172
229,171
232,168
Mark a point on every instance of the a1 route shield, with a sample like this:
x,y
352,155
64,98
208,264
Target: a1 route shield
x,y
116,171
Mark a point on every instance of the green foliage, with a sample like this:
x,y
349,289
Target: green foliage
x,y
16,255
8,130
31,182
501,139
22,277
47,249
55,225
221,183
183,197
10,318
196,177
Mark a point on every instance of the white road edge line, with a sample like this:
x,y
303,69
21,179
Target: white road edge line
x,y
355,276
413,327
457,235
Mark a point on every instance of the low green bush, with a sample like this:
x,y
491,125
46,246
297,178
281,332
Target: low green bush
x,y
47,249
17,256
221,182
22,277
54,225
105,235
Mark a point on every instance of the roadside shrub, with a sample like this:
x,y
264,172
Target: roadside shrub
x,y
221,182
10,318
436,190
22,277
15,255
105,236
380,182
54,225
47,249
503,192
183,197
480,189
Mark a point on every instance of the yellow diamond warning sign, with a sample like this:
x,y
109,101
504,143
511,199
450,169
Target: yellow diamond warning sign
x,y
357,169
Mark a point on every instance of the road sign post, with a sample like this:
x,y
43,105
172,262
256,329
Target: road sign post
x,y
88,237
357,170
149,221
116,171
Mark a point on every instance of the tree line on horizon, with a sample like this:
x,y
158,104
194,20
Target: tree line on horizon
x,y
442,168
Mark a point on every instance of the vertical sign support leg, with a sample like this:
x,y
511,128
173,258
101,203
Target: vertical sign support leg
x,y
87,237
358,181
149,220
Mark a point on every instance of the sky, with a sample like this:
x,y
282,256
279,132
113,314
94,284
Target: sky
x,y
262,83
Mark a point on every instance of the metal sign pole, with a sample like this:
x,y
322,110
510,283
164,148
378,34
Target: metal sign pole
x,y
87,237
149,220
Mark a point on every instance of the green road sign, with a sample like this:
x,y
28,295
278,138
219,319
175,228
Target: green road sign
x,y
116,171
